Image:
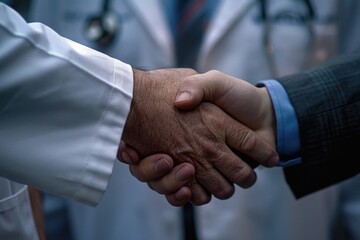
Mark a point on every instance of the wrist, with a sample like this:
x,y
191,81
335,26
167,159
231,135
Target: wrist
x,y
140,84
287,130
139,93
268,115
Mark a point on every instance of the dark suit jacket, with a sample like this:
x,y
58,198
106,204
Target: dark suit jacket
x,y
327,104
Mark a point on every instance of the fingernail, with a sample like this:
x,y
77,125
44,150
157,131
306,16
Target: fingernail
x,y
183,96
162,166
184,174
125,157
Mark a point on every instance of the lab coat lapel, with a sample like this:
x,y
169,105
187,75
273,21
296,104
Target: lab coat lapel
x,y
155,23
229,12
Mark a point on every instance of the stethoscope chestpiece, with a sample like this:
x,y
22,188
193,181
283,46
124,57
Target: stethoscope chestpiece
x,y
102,29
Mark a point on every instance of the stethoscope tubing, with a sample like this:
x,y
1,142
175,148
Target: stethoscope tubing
x,y
266,42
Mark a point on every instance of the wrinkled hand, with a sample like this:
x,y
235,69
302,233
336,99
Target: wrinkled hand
x,y
160,174
199,137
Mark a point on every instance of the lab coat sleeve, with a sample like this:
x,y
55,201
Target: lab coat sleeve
x,y
62,110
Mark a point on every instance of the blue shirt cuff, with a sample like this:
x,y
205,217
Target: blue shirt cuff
x,y
288,137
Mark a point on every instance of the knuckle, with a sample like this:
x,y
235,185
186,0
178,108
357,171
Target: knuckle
x,y
249,141
244,176
188,71
214,72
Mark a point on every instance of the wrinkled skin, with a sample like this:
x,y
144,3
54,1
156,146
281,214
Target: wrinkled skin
x,y
200,137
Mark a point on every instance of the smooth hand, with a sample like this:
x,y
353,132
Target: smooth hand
x,y
246,103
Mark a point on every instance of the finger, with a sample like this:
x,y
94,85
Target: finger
x,y
199,196
182,174
210,86
214,182
236,170
249,143
180,197
179,176
152,168
190,93
218,179
126,154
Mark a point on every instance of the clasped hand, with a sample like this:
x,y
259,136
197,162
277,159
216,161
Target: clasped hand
x,y
185,141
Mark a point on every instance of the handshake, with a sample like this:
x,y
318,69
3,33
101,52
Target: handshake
x,y
193,133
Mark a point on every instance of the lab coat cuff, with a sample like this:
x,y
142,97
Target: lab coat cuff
x,y
109,135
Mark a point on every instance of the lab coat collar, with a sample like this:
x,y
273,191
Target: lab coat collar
x,y
229,12
155,23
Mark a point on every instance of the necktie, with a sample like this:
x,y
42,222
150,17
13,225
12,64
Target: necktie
x,y
21,6
193,18
192,21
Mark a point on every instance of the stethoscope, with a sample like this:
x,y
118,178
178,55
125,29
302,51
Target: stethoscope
x,y
103,27
266,42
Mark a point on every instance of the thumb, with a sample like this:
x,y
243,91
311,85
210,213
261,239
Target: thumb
x,y
200,87
190,93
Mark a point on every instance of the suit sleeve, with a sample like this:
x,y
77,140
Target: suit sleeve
x,y
327,105
62,110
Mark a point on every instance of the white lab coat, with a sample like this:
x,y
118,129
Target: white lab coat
x,y
16,219
233,44
63,108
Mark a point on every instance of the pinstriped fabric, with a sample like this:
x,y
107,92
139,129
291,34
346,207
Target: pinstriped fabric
x,y
327,104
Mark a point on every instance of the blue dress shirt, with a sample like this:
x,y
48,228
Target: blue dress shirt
x,y
288,137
